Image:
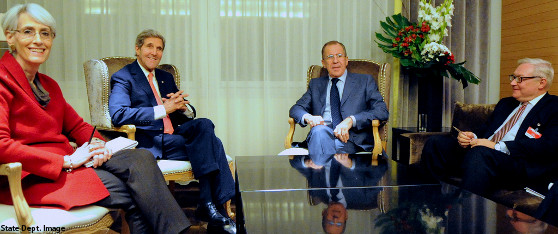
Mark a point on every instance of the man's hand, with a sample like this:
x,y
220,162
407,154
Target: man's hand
x,y
314,120
483,142
465,138
342,129
309,163
344,160
175,101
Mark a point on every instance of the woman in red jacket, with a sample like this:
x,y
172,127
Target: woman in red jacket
x,y
36,125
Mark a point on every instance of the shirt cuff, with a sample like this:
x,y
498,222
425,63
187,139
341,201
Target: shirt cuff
x,y
501,146
354,120
159,112
303,121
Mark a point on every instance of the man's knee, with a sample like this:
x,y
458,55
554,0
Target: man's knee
x,y
204,123
321,130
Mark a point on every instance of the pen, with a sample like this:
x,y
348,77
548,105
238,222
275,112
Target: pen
x,y
457,129
93,133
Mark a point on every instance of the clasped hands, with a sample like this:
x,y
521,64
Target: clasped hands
x,y
467,139
95,150
175,101
341,131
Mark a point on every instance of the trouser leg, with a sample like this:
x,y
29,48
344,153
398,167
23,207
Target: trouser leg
x,y
145,184
120,199
321,140
442,157
486,170
207,156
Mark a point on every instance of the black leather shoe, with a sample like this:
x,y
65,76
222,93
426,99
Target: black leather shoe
x,y
208,212
229,228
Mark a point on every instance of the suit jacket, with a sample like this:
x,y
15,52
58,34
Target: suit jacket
x,y
131,102
539,155
38,137
361,99
363,175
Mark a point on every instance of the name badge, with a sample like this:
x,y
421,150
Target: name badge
x,y
532,133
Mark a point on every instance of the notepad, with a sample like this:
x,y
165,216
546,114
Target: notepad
x,y
116,144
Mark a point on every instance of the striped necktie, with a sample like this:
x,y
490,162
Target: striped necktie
x,y
506,128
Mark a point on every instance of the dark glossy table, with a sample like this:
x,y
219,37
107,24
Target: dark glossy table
x,y
277,194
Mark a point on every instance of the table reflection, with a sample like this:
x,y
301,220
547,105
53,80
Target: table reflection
x,y
337,173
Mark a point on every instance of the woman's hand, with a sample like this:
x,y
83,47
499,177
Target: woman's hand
x,y
100,153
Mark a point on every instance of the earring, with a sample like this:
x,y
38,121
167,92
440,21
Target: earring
x,y
12,48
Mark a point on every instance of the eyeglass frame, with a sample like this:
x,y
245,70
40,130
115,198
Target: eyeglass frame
x,y
332,56
34,34
338,224
520,79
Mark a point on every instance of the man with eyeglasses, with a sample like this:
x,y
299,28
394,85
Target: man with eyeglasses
x,y
341,117
516,147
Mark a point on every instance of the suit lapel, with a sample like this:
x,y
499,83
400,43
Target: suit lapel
x,y
322,86
18,74
350,84
532,114
141,80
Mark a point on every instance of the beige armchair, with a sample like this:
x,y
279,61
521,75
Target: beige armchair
x,y
97,77
87,219
382,73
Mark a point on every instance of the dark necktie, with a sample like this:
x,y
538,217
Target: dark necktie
x,y
334,171
506,128
335,103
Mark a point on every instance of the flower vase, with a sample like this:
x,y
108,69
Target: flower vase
x,y
430,102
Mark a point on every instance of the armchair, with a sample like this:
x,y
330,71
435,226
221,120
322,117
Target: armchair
x,y
382,74
466,117
87,219
97,77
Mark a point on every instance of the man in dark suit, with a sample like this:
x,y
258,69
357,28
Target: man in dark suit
x,y
515,148
149,98
341,118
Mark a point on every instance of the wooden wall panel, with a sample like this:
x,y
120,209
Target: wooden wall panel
x,y
529,29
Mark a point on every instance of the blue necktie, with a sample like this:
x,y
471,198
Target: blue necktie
x,y
334,172
335,103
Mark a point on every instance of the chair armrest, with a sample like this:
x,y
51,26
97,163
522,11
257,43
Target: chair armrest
x,y
416,143
22,210
290,134
129,129
377,141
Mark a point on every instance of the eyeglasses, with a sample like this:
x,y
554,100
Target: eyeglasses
x,y
520,79
29,33
331,56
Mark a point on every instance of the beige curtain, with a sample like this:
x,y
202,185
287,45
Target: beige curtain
x,y
243,62
469,40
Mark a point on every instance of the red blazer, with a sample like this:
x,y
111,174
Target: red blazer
x,y
38,137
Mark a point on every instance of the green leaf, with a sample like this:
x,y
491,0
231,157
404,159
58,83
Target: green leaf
x,y
388,29
382,38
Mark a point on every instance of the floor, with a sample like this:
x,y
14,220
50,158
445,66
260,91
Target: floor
x,y
187,197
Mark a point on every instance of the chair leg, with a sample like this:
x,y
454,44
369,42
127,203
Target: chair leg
x,y
229,211
124,229
172,186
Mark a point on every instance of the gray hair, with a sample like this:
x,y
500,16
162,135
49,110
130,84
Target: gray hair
x,y
37,12
140,39
543,68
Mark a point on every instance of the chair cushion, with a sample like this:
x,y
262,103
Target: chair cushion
x,y
52,217
176,166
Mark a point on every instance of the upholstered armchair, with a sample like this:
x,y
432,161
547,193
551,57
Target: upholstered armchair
x,y
87,219
97,76
466,117
382,73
